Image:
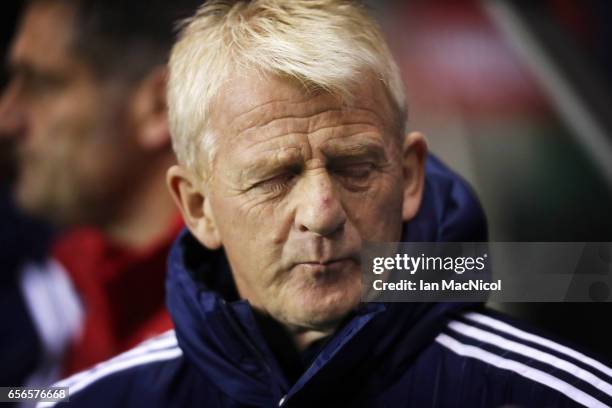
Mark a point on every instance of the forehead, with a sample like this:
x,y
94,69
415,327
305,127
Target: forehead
x,y
250,102
43,36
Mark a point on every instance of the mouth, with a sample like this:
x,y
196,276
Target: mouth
x,y
319,269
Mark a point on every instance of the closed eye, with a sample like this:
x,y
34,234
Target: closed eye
x,y
357,171
277,183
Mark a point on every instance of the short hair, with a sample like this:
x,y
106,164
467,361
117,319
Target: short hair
x,y
125,38
322,44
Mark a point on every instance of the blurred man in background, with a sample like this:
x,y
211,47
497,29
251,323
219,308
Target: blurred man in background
x,y
86,105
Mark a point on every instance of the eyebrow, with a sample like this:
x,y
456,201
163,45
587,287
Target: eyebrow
x,y
25,71
360,150
271,163
28,69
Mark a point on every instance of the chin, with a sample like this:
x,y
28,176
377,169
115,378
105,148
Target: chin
x,y
323,311
46,207
317,301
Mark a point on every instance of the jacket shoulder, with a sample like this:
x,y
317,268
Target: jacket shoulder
x,y
501,356
139,377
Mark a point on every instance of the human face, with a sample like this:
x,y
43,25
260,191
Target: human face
x,y
299,182
71,150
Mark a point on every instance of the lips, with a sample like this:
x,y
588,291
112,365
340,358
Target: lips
x,y
318,268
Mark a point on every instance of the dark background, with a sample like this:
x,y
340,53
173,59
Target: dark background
x,y
487,82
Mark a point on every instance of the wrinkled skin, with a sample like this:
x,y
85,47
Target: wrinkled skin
x,y
299,182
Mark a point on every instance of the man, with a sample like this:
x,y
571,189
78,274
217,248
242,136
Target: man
x,y
87,107
288,120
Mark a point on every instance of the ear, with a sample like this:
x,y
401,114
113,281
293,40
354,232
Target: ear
x,y
188,194
149,110
413,155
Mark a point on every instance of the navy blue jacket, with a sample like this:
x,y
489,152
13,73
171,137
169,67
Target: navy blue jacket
x,y
386,355
23,240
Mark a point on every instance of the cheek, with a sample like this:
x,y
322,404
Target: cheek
x,y
98,144
51,148
377,214
60,125
250,235
266,221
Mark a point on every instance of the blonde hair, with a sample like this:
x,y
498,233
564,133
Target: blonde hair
x,y
322,44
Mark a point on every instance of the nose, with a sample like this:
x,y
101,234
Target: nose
x,y
319,208
12,117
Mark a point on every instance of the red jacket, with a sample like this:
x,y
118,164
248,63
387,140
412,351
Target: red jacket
x,y
121,291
